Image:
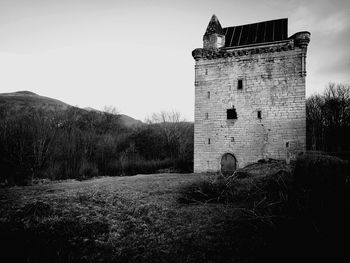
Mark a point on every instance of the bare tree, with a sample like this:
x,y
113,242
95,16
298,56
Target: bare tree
x,y
44,128
328,119
169,123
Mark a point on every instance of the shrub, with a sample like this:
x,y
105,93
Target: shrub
x,y
53,171
87,170
322,190
184,165
315,170
321,181
132,167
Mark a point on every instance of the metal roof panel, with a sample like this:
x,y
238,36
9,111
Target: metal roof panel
x,y
267,31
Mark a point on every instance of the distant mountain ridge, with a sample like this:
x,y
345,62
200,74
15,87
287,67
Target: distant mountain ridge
x,y
23,99
27,99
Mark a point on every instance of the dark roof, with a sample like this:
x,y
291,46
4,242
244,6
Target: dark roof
x,y
268,31
214,26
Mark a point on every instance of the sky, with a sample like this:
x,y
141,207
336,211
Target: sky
x,y
135,55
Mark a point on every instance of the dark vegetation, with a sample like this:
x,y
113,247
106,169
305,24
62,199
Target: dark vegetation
x,y
74,143
328,121
295,213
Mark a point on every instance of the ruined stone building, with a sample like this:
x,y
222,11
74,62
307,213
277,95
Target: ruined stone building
x,y
249,95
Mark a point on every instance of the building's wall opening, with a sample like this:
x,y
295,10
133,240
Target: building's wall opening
x,y
240,84
232,139
206,71
206,115
228,164
259,114
208,140
208,94
231,114
287,153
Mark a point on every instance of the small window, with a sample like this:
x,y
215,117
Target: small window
x,y
208,140
206,71
232,139
240,84
206,115
208,94
259,114
231,114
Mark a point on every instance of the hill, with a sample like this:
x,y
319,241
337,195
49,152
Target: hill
x,y
26,99
129,121
126,120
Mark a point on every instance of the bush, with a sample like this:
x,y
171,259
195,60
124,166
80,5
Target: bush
x,y
316,170
132,167
87,170
184,165
321,181
323,191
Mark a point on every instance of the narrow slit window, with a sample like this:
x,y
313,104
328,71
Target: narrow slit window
x,y
231,114
208,140
259,114
206,115
206,71
240,84
208,94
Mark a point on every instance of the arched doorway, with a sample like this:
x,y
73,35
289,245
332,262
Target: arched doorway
x,y
228,164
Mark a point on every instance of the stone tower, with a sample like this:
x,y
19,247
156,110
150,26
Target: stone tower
x,y
249,95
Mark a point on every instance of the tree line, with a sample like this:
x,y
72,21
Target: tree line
x,y
75,143
328,121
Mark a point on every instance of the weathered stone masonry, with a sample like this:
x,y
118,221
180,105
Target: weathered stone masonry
x,y
269,102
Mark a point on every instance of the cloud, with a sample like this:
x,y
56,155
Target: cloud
x,y
328,54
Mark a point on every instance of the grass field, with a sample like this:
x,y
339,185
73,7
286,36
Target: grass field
x,y
112,219
135,219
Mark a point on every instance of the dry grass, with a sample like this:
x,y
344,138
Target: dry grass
x,y
140,219
114,219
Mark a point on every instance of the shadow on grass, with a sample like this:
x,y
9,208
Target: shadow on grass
x,y
293,214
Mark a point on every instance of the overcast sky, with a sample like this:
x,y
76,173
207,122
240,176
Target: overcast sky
x,y
135,55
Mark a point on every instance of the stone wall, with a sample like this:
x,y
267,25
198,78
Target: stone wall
x,y
273,83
